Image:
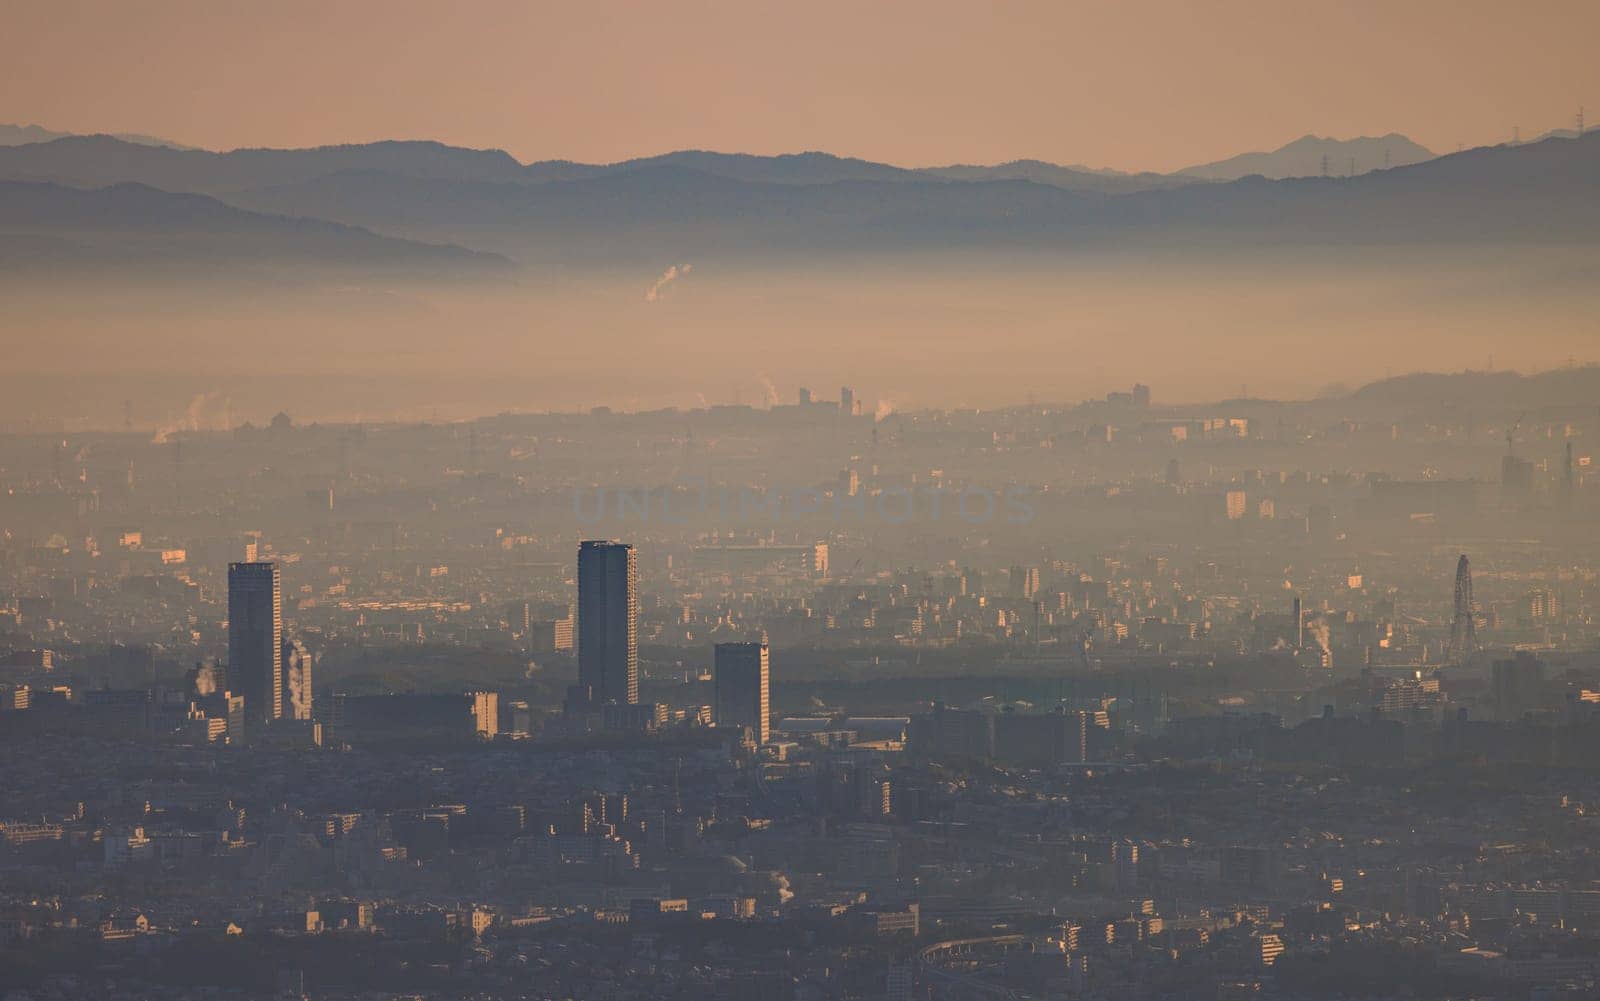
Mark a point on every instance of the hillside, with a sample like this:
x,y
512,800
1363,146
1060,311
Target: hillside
x,y
55,229
1575,386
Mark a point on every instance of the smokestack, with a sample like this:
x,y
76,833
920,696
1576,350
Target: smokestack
x,y
1299,625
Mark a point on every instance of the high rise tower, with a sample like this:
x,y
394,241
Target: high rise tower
x,y
255,638
741,692
608,621
1463,630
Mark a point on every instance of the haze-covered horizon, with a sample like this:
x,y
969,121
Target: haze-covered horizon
x,y
1065,83
944,246
940,336
393,282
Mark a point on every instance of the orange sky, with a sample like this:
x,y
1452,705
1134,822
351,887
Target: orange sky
x,y
1135,85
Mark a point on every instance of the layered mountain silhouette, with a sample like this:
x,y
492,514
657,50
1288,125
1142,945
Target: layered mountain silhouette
x,y
1488,196
99,160
1315,156
1085,179
59,229
96,161
742,208
19,135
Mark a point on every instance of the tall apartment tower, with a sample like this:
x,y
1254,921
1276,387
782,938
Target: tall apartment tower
x,y
1463,629
255,638
741,683
608,621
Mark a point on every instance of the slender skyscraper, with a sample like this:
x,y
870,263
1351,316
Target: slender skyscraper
x,y
741,688
1463,630
1568,480
255,638
608,621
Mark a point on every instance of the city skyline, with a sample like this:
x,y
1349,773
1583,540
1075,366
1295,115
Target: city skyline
x,y
749,501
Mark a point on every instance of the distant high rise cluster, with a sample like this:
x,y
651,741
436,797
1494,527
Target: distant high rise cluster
x,y
807,401
1138,397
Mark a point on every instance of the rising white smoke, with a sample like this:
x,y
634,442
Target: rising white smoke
x,y
205,677
194,416
770,389
297,679
1318,628
668,276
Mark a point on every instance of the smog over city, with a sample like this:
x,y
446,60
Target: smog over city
x,y
820,502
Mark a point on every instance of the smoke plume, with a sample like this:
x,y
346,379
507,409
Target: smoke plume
x,y
770,389
194,416
668,276
297,679
1318,630
205,678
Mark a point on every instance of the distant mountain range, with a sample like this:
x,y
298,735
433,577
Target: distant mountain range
x,y
1573,386
100,160
1314,156
743,208
95,161
60,230
1085,179
19,135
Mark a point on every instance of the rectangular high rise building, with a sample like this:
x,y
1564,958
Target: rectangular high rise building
x,y
255,638
741,683
608,621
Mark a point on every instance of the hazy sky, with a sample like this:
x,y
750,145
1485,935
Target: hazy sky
x,y
1136,85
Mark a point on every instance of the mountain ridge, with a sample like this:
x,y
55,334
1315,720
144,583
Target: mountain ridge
x,y
1313,155
102,159
1530,192
740,207
133,224
22,135
1567,386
